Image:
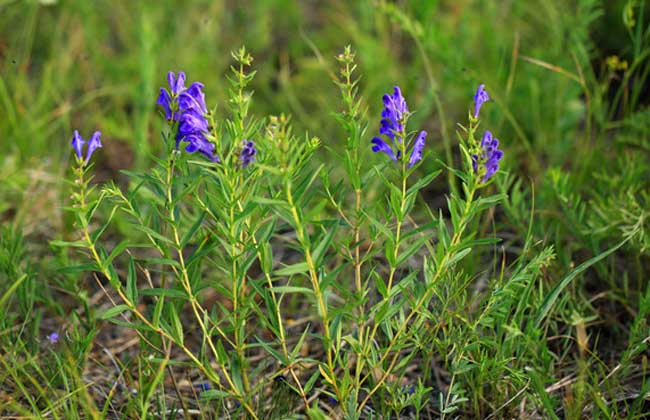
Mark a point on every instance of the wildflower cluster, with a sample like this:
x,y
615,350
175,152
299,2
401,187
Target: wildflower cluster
x,y
489,156
222,204
486,154
187,107
393,125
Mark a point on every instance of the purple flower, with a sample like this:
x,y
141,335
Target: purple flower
x,y
191,122
489,157
192,129
77,144
193,99
248,153
381,146
198,143
416,153
393,115
177,85
165,99
187,99
193,126
480,97
53,338
93,144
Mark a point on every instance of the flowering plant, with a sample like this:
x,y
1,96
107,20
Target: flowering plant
x,y
241,239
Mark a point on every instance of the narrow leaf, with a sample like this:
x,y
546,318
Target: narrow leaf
x,y
114,311
550,299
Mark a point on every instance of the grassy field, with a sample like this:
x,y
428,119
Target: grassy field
x,y
323,280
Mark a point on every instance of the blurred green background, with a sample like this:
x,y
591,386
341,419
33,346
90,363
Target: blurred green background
x,y
98,65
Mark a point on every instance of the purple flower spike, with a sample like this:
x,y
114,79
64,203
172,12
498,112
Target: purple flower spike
x,y
416,153
77,144
248,153
93,144
393,118
396,103
394,114
193,126
489,157
381,146
480,97
53,338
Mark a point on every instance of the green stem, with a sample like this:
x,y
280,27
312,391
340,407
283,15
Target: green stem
x,y
313,275
132,306
237,290
440,269
398,232
185,280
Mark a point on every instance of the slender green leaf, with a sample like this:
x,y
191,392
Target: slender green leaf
x,y
550,299
114,311
290,270
131,282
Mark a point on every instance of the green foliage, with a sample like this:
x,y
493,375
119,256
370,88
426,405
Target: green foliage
x,y
324,280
